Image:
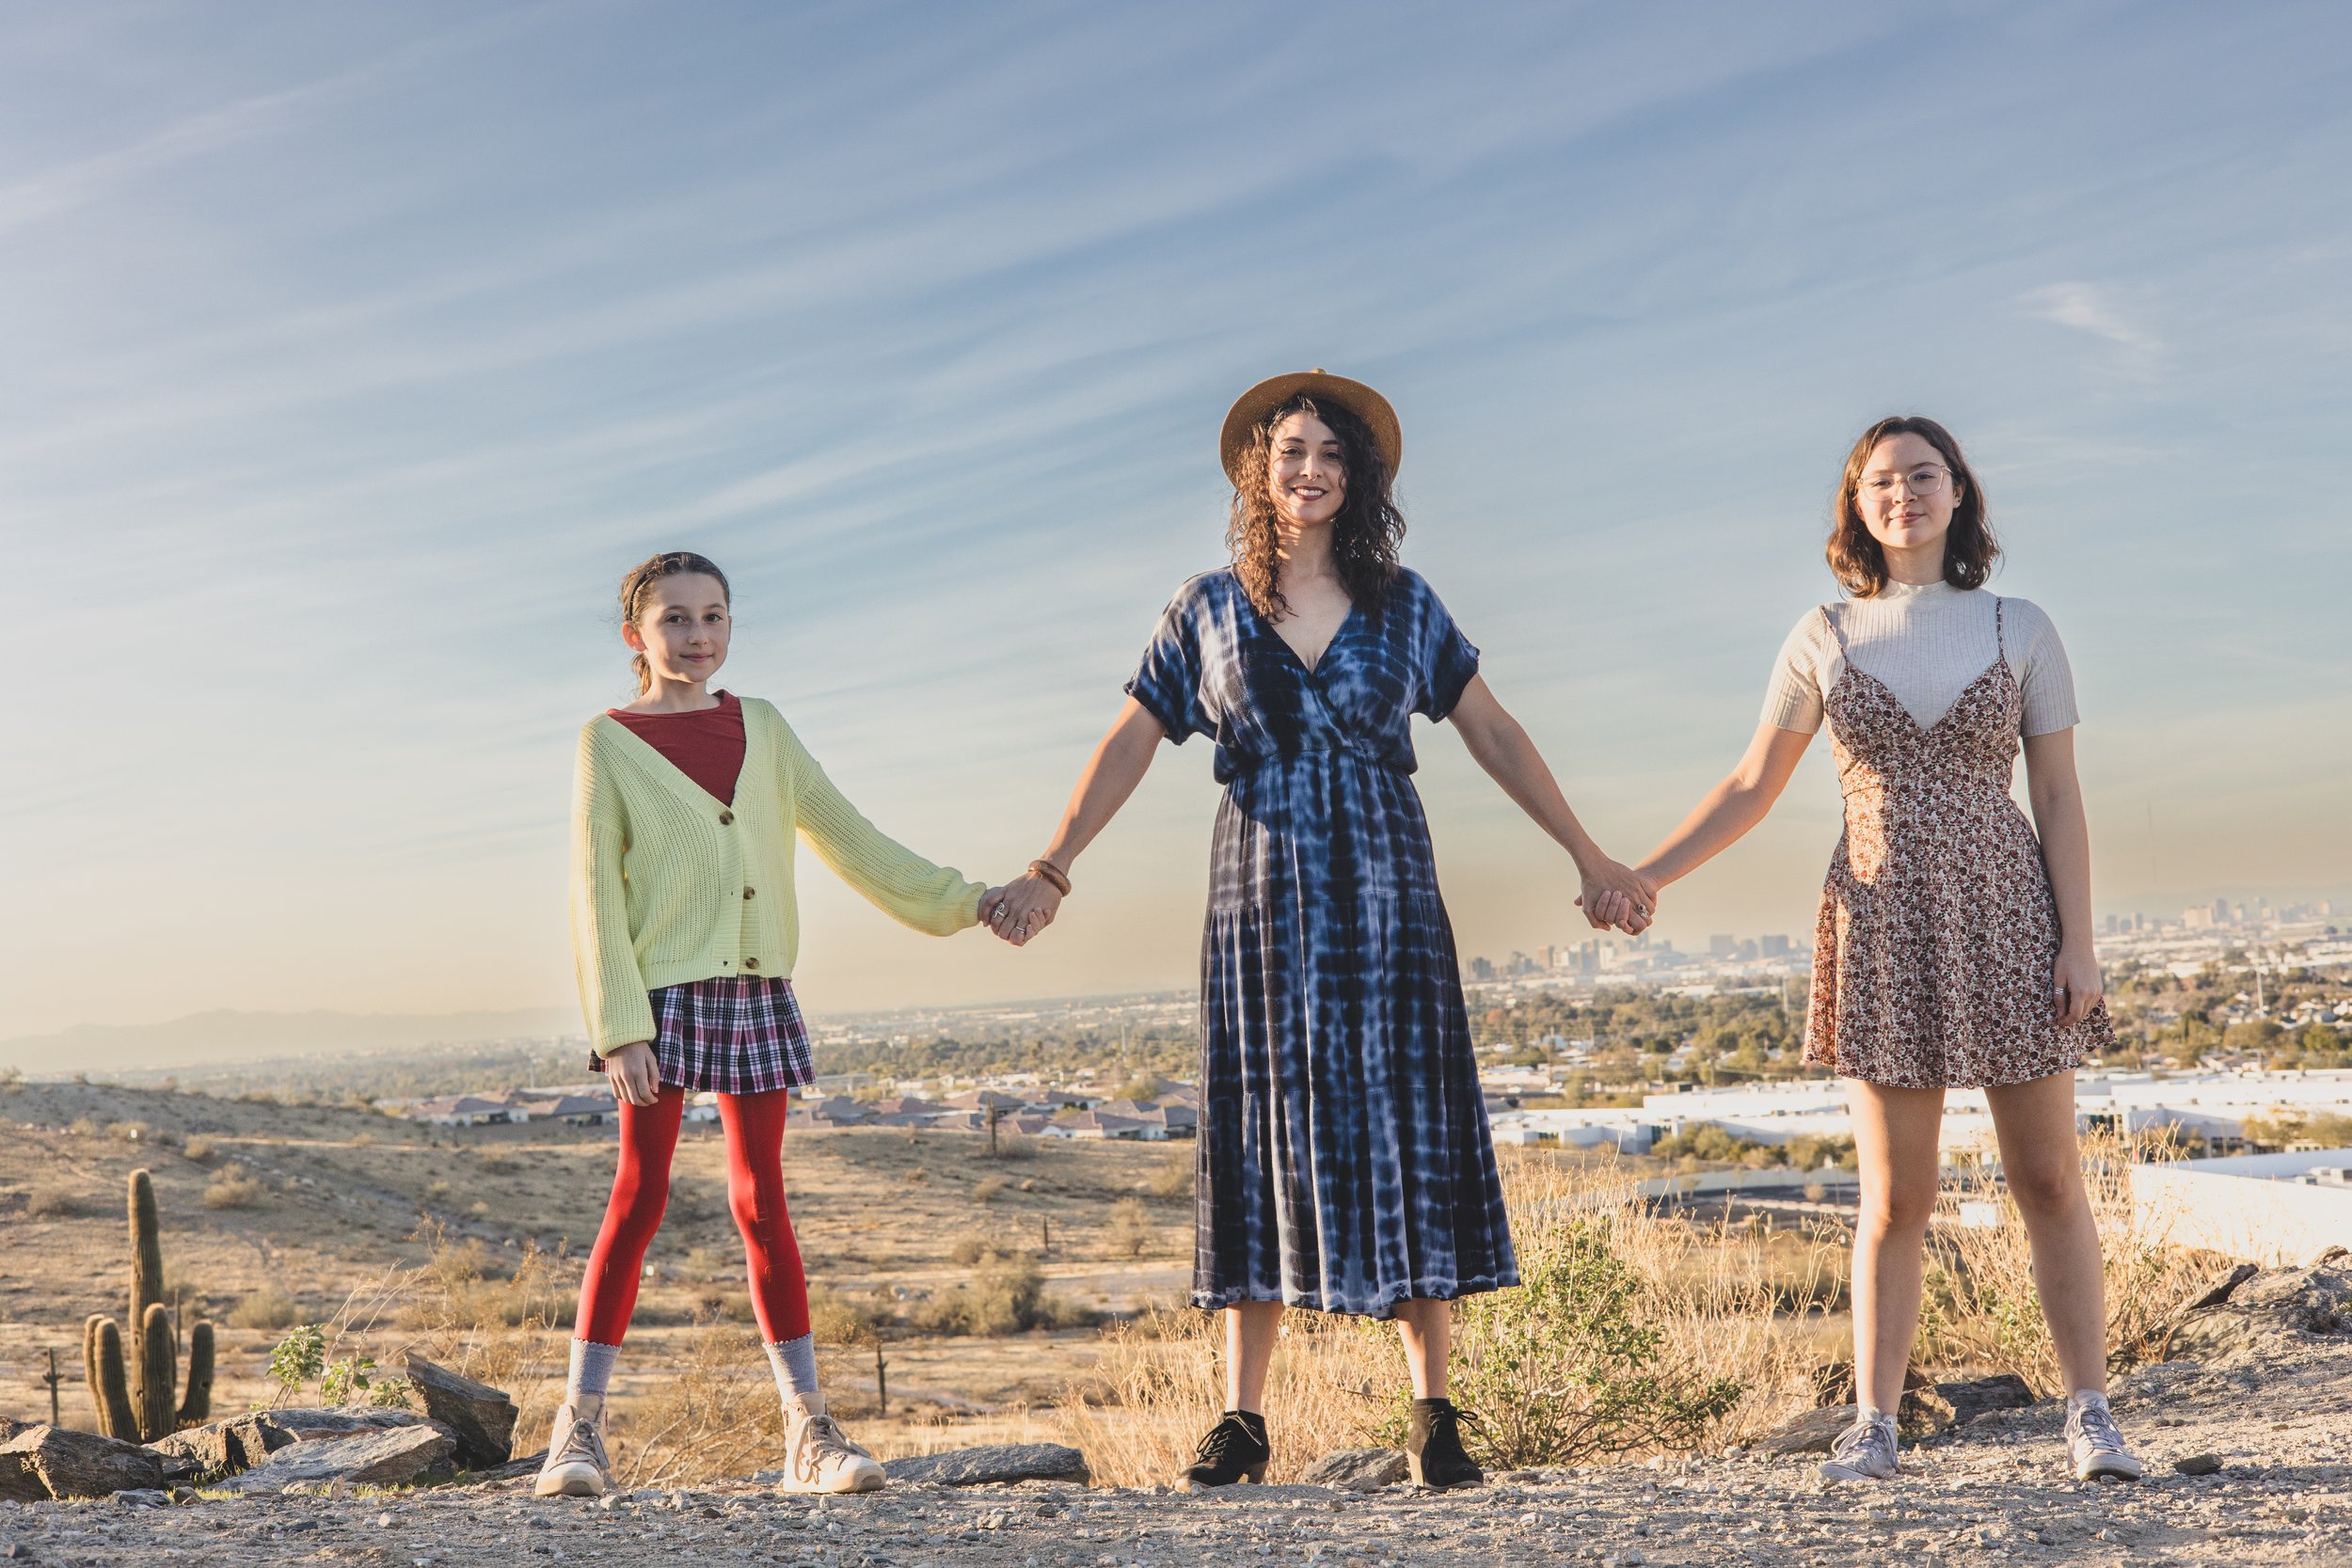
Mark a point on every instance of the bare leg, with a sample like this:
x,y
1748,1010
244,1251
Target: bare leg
x,y
1249,1330
2042,1164
1427,1329
1895,1138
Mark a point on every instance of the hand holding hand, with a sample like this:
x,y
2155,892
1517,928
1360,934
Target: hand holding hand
x,y
635,1076
1021,909
2075,985
1615,895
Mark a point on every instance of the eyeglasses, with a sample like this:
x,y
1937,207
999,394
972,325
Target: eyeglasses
x,y
1929,479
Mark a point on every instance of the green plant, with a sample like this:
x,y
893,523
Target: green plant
x,y
352,1380
299,1358
136,1394
1565,1369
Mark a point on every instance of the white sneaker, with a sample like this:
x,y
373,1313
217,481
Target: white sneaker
x,y
2094,1442
1864,1451
818,1455
576,1465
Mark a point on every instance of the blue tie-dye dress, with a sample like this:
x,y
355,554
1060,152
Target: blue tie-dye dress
x,y
1344,1159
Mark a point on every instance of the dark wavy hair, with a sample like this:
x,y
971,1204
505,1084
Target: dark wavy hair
x,y
1364,535
641,576
1855,557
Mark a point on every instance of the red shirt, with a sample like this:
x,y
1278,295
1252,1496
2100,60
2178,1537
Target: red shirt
x,y
706,746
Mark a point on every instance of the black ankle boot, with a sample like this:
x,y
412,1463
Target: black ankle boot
x,y
1234,1449
1433,1446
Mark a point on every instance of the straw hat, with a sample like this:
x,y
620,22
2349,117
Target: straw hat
x,y
1271,393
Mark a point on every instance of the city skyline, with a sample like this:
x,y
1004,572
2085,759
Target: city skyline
x,y
356,352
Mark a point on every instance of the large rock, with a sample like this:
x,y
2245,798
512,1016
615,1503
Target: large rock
x,y
237,1442
482,1417
41,1462
987,1466
2275,1311
391,1457
1811,1432
1357,1469
1942,1406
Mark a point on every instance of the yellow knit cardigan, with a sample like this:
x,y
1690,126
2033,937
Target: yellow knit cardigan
x,y
669,884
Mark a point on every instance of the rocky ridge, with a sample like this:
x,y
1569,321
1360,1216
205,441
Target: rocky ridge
x,y
2248,1444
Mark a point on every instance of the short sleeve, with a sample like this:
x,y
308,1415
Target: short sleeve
x,y
1793,700
2044,678
1167,682
1449,661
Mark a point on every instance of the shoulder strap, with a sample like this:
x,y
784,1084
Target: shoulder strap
x,y
1999,646
1831,622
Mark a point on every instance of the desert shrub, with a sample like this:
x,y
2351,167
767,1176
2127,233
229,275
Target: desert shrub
x,y
11,1080
298,1359
1014,1145
233,1188
1131,1228
837,1321
82,1127
1007,1295
1172,1177
989,1189
967,1251
495,1162
267,1307
49,1200
1813,1150
915,1176
200,1148
1981,1313
131,1131
437,1192
1567,1369
1711,1295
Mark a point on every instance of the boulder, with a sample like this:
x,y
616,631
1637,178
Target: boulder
x,y
1942,1406
40,1462
2274,1311
482,1417
992,1465
1811,1432
1357,1469
237,1442
393,1456
2198,1463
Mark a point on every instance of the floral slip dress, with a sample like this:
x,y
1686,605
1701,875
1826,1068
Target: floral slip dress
x,y
1935,953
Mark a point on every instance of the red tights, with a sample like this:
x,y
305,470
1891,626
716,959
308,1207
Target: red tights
x,y
640,1190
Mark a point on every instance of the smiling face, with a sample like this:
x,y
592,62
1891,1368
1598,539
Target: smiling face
x,y
1306,476
681,627
1906,494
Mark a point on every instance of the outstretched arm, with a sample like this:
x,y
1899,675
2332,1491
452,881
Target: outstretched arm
x,y
1611,896
2057,794
1732,807
1028,903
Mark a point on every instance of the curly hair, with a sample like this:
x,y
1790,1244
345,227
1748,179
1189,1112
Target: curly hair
x,y
1855,556
641,576
1365,535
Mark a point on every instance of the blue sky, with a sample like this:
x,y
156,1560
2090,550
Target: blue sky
x,y
351,353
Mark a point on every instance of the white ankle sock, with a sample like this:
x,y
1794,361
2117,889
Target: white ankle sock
x,y
591,1369
794,1362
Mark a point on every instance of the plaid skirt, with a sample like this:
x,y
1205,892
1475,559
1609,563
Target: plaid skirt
x,y
732,1033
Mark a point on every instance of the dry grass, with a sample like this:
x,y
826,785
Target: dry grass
x,y
1716,1298
1982,1315
267,1307
233,1189
50,1201
199,1147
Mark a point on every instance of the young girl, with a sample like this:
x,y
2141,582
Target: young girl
x,y
684,930
1953,947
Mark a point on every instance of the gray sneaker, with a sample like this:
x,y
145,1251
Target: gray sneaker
x,y
576,1465
1864,1451
2094,1443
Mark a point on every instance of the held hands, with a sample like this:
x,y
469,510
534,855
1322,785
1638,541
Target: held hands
x,y
635,1076
1615,895
1021,909
2075,984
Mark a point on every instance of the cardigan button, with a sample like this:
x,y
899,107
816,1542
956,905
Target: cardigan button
x,y
726,819
751,963
748,891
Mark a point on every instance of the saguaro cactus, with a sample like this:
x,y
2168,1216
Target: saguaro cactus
x,y
135,1395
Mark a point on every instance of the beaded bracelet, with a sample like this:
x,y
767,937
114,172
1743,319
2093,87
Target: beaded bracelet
x,y
1053,874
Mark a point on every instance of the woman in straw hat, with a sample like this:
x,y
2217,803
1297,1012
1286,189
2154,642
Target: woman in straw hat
x,y
1344,1162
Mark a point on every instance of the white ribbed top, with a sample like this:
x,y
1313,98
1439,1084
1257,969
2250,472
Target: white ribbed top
x,y
1925,643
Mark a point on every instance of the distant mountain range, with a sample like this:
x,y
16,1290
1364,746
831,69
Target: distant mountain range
x,y
226,1035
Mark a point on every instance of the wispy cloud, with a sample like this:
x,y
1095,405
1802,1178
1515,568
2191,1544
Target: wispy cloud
x,y
2092,308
